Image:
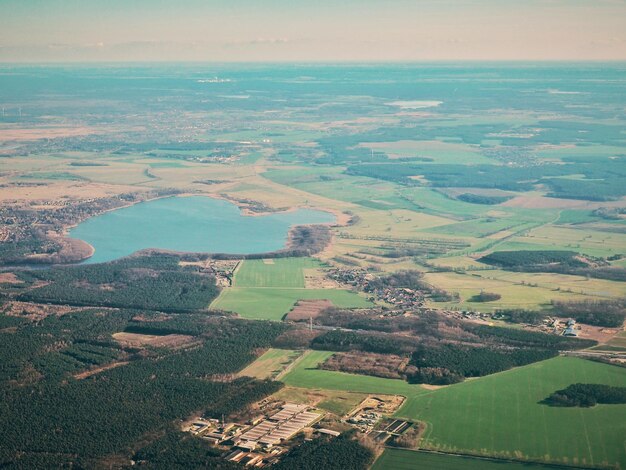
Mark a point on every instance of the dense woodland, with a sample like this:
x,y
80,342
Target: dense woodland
x,y
178,450
529,258
153,283
449,363
609,313
586,395
554,261
328,453
603,180
482,199
118,405
432,343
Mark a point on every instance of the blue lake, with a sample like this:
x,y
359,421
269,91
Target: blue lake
x,y
189,224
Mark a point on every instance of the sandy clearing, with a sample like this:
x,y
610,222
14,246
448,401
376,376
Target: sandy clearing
x,y
89,373
9,278
173,341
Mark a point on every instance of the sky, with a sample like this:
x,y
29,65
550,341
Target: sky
x,y
315,30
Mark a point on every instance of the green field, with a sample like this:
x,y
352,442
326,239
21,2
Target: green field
x,y
500,415
304,374
270,364
400,459
273,303
268,289
280,272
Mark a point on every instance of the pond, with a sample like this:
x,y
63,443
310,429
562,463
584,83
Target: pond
x,y
189,224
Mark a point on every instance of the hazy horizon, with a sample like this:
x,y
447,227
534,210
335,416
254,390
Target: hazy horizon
x,y
280,31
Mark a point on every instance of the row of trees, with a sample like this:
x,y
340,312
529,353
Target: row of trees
x,y
608,313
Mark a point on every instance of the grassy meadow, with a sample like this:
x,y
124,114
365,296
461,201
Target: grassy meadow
x,y
261,303
500,415
270,364
279,272
268,289
401,459
304,374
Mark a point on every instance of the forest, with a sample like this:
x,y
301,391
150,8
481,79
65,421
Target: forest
x,y
554,261
603,176
178,450
328,453
53,413
526,258
143,282
449,363
482,199
435,355
586,395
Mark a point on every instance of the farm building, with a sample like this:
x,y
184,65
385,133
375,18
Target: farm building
x,y
570,331
279,427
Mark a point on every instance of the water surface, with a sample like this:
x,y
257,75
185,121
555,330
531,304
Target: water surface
x,y
189,224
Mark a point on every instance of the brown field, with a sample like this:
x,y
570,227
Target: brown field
x,y
305,309
387,366
172,341
316,279
21,134
541,202
479,191
9,278
52,191
598,333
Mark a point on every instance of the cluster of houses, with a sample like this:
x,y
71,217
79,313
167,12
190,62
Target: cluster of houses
x,y
400,298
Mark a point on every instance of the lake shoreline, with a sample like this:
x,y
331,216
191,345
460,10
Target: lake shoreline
x,y
203,230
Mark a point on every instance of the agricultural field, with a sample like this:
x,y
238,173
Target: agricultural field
x,y
273,303
578,238
279,272
499,415
270,364
431,169
268,289
305,375
617,343
514,293
400,459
